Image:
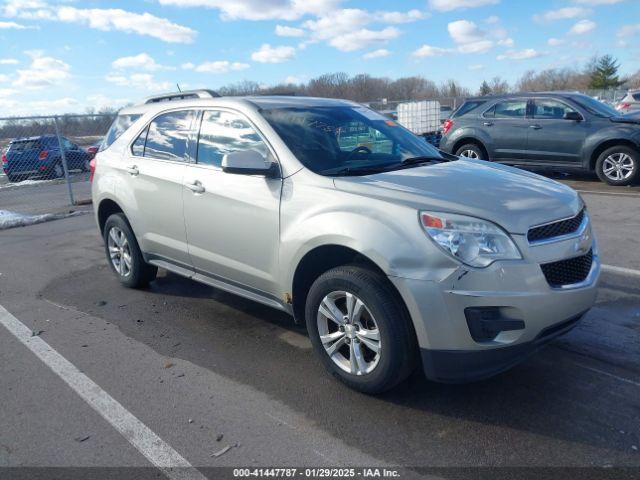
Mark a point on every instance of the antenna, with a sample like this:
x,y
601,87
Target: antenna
x,y
178,85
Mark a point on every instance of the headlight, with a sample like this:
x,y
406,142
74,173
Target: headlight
x,y
473,241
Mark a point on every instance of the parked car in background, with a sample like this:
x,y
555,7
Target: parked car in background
x,y
558,130
394,254
41,156
630,102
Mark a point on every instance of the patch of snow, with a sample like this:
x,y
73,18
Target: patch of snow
x,y
25,183
10,219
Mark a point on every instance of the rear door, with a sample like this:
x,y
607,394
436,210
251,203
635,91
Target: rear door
x,y
152,174
232,220
552,139
506,125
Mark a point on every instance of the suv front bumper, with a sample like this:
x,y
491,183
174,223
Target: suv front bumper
x,y
518,290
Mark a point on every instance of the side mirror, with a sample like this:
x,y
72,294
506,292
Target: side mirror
x,y
575,116
248,162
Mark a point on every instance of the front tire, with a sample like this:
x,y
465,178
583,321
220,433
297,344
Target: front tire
x,y
470,150
360,329
619,165
124,255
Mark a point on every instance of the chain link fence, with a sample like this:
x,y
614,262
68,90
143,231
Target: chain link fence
x,y
45,163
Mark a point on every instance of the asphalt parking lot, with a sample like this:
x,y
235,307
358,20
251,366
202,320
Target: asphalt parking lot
x,y
203,370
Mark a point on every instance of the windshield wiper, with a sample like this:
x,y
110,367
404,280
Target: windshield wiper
x,y
422,159
347,171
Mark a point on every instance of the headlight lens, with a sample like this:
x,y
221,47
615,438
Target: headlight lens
x,y
473,241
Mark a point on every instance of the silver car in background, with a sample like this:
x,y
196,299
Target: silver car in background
x,y
392,253
630,102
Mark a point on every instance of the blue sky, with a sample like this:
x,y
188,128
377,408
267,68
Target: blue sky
x,y
59,56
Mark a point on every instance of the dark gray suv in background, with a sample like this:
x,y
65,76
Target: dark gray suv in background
x,y
559,130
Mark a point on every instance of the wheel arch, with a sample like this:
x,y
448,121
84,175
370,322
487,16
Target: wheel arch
x,y
602,146
106,208
320,260
470,140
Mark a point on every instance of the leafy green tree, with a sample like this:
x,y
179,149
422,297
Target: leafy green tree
x,y
604,73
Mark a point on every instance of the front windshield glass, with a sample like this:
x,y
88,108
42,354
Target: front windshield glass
x,y
347,139
595,107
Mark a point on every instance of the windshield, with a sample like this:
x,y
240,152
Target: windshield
x,y
347,139
595,107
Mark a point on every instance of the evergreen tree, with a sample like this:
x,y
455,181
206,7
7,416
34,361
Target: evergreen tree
x,y
485,89
604,73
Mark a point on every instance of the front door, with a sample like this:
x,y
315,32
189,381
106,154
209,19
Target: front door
x,y
552,138
506,125
232,220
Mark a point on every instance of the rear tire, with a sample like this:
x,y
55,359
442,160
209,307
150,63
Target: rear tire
x,y
124,255
57,171
470,150
13,178
375,347
619,165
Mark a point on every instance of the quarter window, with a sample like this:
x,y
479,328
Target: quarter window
x,y
551,109
138,146
224,132
168,135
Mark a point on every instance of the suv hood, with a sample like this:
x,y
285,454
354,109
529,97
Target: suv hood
x,y
512,198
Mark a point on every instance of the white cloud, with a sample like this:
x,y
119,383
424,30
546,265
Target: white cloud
x,y
476,67
525,54
554,42
493,19
4,78
269,54
100,101
142,61
9,61
430,51
598,2
468,37
143,81
292,80
582,27
12,25
346,30
380,53
105,19
506,42
260,9
562,14
43,72
219,66
449,5
400,17
285,31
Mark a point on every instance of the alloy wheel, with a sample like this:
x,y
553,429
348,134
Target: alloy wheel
x,y
469,154
618,166
119,251
349,333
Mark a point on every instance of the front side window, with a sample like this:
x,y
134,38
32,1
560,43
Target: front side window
x,y
550,109
508,109
348,140
223,132
168,135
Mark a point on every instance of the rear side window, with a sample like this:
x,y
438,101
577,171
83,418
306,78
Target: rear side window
x,y
467,107
636,96
225,132
120,125
24,145
166,137
508,109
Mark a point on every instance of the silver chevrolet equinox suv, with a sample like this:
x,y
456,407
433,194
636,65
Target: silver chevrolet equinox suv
x,y
394,254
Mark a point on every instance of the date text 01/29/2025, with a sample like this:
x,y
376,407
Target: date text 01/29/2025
x,y
322,472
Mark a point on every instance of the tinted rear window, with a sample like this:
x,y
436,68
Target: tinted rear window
x,y
467,107
24,145
636,96
118,127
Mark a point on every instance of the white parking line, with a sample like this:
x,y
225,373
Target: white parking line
x,y
624,194
156,450
602,372
621,270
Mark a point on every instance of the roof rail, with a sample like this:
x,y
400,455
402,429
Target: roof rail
x,y
168,97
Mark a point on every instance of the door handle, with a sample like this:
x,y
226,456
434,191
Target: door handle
x,y
488,124
195,187
535,127
133,170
